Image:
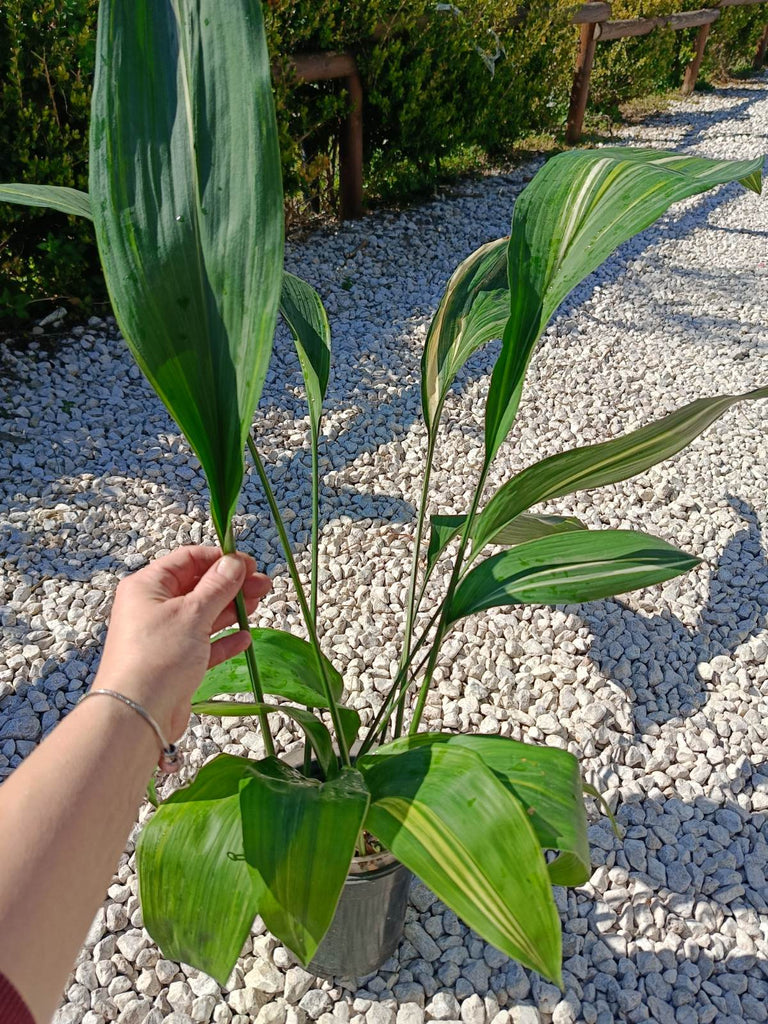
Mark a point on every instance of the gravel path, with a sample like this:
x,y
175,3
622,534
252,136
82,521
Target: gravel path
x,y
663,696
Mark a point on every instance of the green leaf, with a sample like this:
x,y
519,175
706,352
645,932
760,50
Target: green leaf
x,y
580,207
197,895
443,530
598,464
569,569
299,837
350,724
546,781
315,731
303,311
520,530
50,197
449,819
473,310
287,668
187,204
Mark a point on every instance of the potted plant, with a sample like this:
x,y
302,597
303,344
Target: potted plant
x,y
186,200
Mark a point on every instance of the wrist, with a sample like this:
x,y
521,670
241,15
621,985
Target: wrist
x,y
119,722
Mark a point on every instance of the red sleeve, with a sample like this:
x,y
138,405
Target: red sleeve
x,y
13,1009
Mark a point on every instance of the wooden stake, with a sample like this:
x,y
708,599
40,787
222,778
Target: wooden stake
x,y
762,46
351,152
692,71
580,90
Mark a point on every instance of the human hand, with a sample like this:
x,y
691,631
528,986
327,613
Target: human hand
x,y
158,645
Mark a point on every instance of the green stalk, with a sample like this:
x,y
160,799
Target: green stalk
x,y
315,546
442,628
292,569
228,548
412,603
391,702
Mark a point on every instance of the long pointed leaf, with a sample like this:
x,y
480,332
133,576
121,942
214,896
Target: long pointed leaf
x,y
599,464
520,530
198,897
303,311
568,569
473,310
50,197
546,780
287,668
299,837
187,204
579,208
449,819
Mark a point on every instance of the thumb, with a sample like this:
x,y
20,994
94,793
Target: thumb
x,y
217,589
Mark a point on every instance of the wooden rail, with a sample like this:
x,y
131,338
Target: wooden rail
x,y
595,25
321,67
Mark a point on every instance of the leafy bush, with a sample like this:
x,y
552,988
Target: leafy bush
x,y
46,68
444,84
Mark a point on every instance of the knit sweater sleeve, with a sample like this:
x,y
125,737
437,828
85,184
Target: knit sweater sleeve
x,y
13,1009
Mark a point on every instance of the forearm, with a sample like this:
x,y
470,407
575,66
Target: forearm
x,y
65,814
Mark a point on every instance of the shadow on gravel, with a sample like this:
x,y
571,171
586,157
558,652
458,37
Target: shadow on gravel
x,y
656,658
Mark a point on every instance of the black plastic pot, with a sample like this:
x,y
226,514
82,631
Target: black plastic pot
x,y
369,919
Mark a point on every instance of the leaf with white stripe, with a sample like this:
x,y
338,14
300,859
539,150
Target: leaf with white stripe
x,y
598,464
50,197
568,569
579,208
448,818
472,311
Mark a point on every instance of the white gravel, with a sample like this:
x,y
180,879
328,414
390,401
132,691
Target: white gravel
x,y
664,695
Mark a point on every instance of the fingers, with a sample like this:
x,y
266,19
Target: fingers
x,y
229,646
217,589
178,572
254,589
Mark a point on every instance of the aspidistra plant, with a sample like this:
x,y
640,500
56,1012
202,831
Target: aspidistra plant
x,y
186,202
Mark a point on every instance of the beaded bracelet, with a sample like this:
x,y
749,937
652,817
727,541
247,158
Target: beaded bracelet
x,y
169,758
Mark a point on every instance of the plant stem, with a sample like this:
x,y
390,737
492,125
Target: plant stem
x,y
442,626
315,546
391,702
412,603
228,548
291,562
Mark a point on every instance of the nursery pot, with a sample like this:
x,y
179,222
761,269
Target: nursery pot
x,y
369,919
370,915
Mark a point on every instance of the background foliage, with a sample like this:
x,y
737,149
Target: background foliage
x,y
445,85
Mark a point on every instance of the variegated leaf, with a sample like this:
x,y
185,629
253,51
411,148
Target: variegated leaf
x,y
472,311
579,207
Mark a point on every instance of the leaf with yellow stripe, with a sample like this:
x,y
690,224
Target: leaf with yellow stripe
x,y
598,464
546,781
448,818
579,208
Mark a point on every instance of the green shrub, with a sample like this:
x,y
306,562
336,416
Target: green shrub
x,y
46,67
444,85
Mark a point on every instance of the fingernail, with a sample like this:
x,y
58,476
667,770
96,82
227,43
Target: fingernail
x,y
230,567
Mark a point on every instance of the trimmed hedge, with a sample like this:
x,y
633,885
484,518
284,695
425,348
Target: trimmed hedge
x,y
439,80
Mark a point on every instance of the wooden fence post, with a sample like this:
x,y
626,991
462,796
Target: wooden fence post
x,y
762,46
692,71
580,90
351,152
